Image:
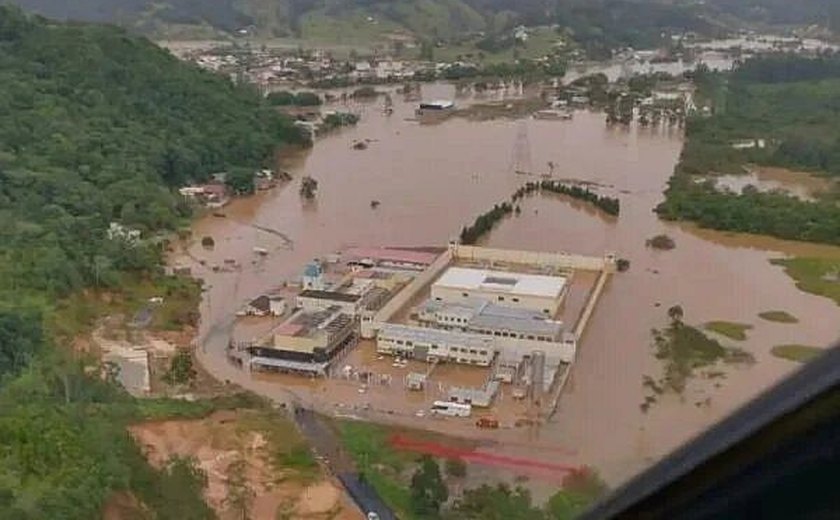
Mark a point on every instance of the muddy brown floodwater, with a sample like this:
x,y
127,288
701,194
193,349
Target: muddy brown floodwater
x,y
432,179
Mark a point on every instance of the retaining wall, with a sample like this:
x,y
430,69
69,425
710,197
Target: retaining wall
x,y
559,260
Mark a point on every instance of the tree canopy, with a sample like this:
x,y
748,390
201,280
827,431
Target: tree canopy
x,y
99,128
791,105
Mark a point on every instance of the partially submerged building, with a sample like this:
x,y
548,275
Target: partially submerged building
x,y
434,345
484,317
306,343
517,290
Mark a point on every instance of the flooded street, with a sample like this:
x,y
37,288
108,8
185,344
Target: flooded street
x,y
433,179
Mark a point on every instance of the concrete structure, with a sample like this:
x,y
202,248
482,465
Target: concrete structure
x,y
552,260
537,375
313,277
305,343
311,300
131,368
389,257
435,345
259,306
416,381
371,324
483,317
517,290
277,305
479,397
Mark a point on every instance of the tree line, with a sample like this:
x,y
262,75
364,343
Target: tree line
x,y
609,205
429,497
791,105
484,223
284,98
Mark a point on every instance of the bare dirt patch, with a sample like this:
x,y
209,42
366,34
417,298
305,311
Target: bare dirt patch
x,y
227,437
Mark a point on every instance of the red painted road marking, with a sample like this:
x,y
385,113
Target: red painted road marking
x,y
490,459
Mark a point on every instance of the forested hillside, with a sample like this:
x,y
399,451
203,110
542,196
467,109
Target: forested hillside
x,y
792,104
97,127
597,23
823,12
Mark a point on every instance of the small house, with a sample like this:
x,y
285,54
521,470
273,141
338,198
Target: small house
x,y
260,306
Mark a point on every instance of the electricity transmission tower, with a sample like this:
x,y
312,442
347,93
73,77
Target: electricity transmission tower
x,y
520,160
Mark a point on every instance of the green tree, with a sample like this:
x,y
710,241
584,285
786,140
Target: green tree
x,y
428,490
307,99
581,488
21,337
181,370
494,503
182,486
281,98
240,496
240,181
676,314
308,187
456,468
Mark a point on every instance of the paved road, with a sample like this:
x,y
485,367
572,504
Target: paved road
x,y
326,444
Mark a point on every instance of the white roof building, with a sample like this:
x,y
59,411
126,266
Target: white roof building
x,y
530,291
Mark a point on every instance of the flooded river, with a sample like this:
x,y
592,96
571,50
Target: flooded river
x,y
433,179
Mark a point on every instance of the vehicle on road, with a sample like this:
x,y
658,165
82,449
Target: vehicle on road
x,y
451,409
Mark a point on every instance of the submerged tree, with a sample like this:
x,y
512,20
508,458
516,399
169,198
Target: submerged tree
x,y
308,187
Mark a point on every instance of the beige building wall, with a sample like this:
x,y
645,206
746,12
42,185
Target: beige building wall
x,y
298,344
545,305
440,351
558,260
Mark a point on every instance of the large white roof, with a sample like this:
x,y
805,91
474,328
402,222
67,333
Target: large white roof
x,y
502,282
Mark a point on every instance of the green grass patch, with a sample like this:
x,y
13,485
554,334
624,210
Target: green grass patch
x,y
730,329
286,448
388,470
798,353
369,445
383,467
394,492
819,276
163,409
778,317
684,350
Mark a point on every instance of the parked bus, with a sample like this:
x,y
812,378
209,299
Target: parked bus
x,y
451,409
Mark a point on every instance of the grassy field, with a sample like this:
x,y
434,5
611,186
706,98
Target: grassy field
x,y
798,353
385,468
354,28
288,449
730,329
819,276
778,317
684,350
540,42
76,314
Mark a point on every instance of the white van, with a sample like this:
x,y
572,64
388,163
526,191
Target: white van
x,y
451,409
